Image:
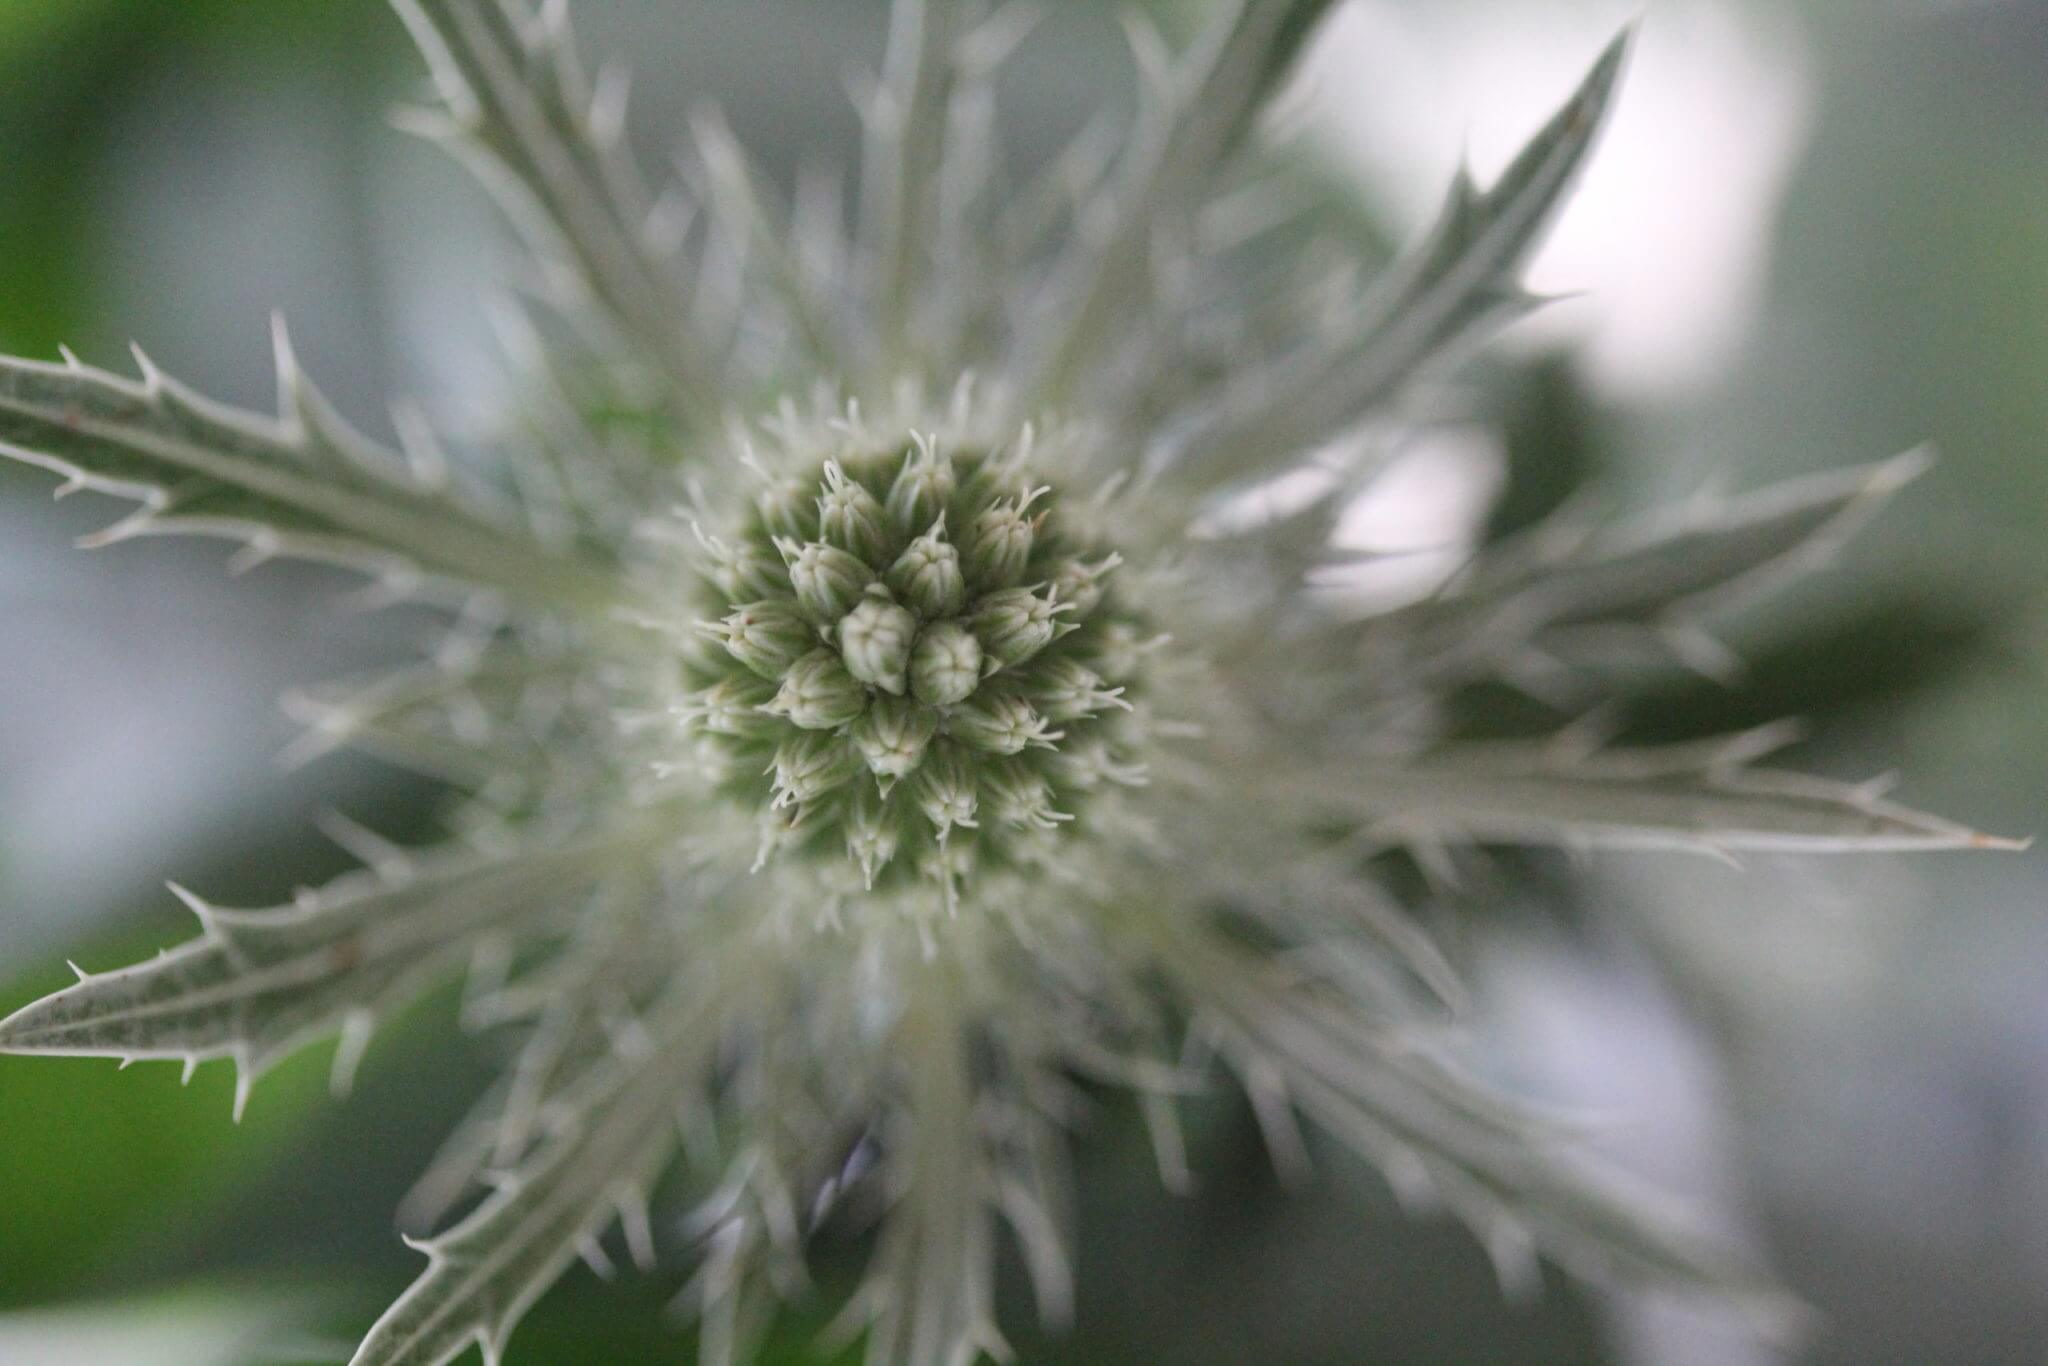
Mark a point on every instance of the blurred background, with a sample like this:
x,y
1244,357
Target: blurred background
x,y
1817,236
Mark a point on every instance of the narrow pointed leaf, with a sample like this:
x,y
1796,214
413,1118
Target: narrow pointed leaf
x,y
517,102
1440,1136
1661,575
731,190
1237,67
257,984
1699,796
1462,278
304,484
905,148
486,1272
575,1002
928,1299
466,725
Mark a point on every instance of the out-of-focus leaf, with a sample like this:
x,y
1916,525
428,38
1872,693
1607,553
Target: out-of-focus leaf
x,y
549,144
1210,106
587,1320
1549,429
1707,795
1565,596
193,1326
1460,281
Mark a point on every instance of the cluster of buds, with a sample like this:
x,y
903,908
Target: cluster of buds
x,y
912,663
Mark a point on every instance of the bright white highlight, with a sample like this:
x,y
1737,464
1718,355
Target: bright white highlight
x,y
1668,236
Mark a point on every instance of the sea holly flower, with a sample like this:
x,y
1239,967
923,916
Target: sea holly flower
x,y
944,730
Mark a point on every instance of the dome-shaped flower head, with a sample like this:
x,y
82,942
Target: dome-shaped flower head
x,y
889,695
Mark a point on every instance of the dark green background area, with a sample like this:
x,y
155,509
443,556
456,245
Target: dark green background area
x,y
1908,302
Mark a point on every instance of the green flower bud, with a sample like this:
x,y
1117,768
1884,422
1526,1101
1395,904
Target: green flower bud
x,y
892,736
1078,582
742,572
1067,690
1000,724
785,508
946,794
1018,795
850,518
923,487
766,636
999,541
1090,765
1015,624
828,581
874,639
871,838
927,575
945,666
702,653
1121,656
732,706
809,765
818,693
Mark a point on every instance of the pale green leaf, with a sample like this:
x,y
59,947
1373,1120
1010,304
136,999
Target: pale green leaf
x,y
1210,108
1703,796
257,984
928,1298
489,720
1463,278
550,144
732,191
303,484
1442,1138
1656,579
486,1272
906,124
617,961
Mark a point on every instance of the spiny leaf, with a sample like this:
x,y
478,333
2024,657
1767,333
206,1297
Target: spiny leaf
x,y
1702,796
1236,69
1214,101
499,1129
551,148
1461,279
303,484
1440,1137
257,984
575,1001
906,124
1659,578
464,724
486,1272
927,1300
731,192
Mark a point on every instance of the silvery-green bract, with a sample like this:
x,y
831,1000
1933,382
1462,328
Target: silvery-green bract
x,y
878,708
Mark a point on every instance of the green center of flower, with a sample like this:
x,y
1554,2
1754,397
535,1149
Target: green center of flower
x,y
917,665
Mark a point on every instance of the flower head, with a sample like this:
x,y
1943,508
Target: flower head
x,y
901,653
850,770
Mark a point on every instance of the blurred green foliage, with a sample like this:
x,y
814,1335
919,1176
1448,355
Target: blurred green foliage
x,y
108,1167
